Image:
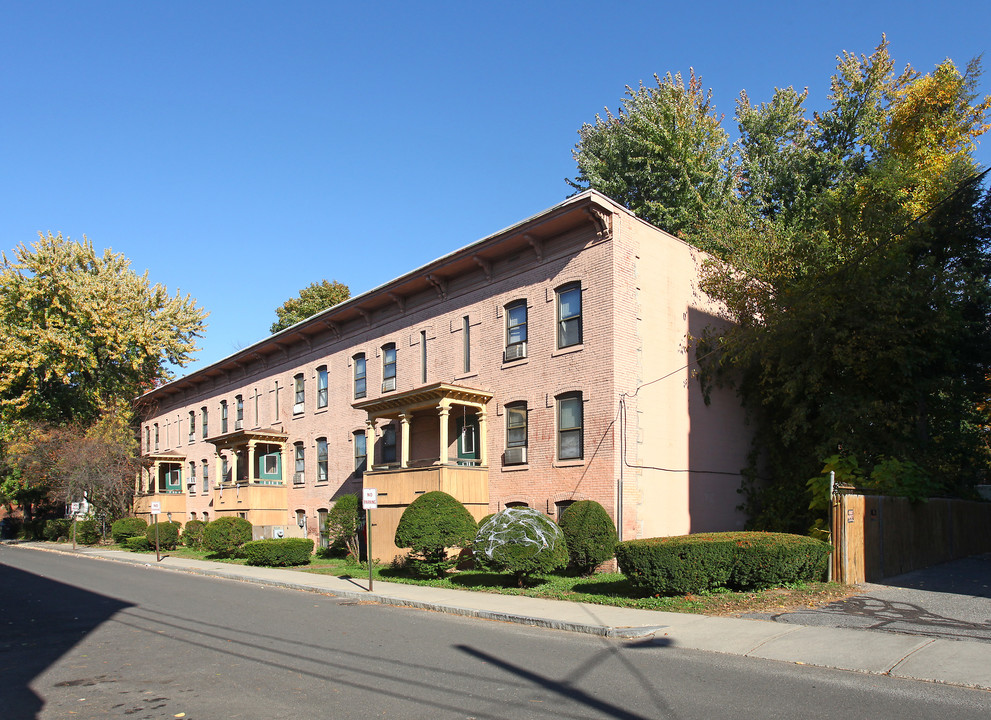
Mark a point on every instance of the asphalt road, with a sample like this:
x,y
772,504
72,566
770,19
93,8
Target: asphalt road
x,y
90,639
951,601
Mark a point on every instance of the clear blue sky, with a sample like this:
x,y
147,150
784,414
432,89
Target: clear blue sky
x,y
241,150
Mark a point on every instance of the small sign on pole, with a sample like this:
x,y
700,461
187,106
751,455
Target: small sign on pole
x,y
156,508
369,501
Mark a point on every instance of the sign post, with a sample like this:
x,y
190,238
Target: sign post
x,y
156,507
74,509
369,501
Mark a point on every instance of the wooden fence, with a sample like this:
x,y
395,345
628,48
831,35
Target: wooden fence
x,y
877,537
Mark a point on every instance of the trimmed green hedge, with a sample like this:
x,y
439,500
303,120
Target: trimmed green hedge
x,y
138,543
168,534
522,541
192,534
432,523
87,532
590,533
225,535
58,528
706,561
281,552
126,528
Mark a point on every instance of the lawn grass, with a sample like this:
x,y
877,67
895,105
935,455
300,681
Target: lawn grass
x,y
600,589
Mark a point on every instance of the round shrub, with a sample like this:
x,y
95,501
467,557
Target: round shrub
x,y
57,528
168,534
192,534
87,532
138,543
523,541
225,535
279,552
432,523
590,534
343,521
126,528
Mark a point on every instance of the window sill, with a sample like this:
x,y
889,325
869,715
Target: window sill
x,y
514,363
320,411
568,463
568,350
465,376
515,468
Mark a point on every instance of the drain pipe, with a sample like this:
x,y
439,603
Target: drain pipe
x,y
622,462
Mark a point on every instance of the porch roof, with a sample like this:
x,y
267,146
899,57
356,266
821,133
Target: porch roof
x,y
422,398
239,438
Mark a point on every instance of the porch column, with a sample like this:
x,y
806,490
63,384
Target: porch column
x,y
369,444
217,461
156,479
405,424
284,452
483,437
444,411
252,475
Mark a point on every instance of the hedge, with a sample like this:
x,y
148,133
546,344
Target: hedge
x,y
590,533
138,543
225,535
522,541
126,528
87,532
707,561
168,534
192,534
281,552
58,528
432,523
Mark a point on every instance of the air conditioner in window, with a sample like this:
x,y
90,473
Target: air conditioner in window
x,y
515,352
191,482
388,384
297,478
515,455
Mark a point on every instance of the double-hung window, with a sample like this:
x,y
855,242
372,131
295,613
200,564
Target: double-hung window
x,y
156,437
515,330
223,416
389,444
192,476
322,386
238,412
360,452
206,476
321,459
300,468
569,427
388,367
204,416
516,433
359,375
569,315
299,394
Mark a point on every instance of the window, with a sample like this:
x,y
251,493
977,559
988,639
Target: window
x,y
569,427
192,426
147,438
515,330
560,506
388,367
299,394
206,476
223,416
321,459
423,356
569,315
298,476
389,444
322,386
204,416
206,517
516,433
156,437
301,518
466,344
238,412
359,375
192,477
360,453
225,469
322,524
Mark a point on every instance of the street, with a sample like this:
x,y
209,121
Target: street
x,y
86,638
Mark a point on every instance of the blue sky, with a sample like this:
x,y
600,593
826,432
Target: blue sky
x,y
240,150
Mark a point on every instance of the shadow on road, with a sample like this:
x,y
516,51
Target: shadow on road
x,y
44,619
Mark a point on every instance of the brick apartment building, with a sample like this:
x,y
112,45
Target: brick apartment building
x,y
509,372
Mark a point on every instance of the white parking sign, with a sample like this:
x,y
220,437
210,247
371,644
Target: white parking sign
x,y
370,499
156,507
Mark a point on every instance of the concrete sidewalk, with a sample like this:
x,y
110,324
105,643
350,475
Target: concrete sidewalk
x,y
956,662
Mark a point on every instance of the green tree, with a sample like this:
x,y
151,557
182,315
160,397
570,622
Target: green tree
x,y
343,523
665,154
312,299
80,330
853,258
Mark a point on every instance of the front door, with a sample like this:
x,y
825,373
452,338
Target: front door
x,y
468,440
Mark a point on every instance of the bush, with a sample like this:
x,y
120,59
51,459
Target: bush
x,y
87,532
590,534
126,528
523,541
168,534
33,529
138,543
432,523
225,535
706,561
58,528
282,552
343,521
192,534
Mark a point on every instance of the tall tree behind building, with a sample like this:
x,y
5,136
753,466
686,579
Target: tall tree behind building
x,y
312,299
